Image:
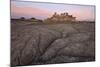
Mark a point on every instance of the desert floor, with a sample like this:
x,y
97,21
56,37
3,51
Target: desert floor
x,y
33,44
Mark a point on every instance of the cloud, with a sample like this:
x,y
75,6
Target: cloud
x,y
18,11
44,11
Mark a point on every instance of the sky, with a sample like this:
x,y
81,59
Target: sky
x,y
45,10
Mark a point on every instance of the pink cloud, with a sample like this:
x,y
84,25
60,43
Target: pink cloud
x,y
17,11
83,14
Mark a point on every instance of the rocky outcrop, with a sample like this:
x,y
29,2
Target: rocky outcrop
x,y
63,17
46,44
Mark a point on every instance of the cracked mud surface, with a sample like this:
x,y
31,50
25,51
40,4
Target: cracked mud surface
x,y
49,44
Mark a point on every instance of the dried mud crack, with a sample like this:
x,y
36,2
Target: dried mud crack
x,y
49,44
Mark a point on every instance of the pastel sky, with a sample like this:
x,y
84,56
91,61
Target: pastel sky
x,y
44,10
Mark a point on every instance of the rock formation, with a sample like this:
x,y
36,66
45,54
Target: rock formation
x,y
63,17
49,44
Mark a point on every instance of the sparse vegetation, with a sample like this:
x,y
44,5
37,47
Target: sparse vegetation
x,y
22,18
32,18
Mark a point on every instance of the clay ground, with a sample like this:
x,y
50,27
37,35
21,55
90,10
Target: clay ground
x,y
33,44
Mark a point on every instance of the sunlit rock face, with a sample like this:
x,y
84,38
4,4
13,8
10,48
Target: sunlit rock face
x,y
49,44
63,17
